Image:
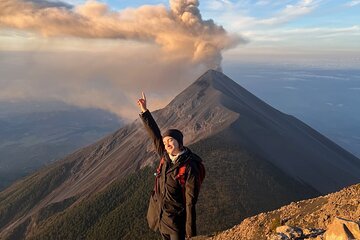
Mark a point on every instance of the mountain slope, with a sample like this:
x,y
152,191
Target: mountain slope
x,y
118,212
286,142
34,134
251,152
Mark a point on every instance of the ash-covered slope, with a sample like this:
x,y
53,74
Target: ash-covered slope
x,y
257,159
92,169
286,142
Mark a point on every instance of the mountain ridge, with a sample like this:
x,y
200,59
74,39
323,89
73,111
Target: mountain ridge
x,y
316,213
251,108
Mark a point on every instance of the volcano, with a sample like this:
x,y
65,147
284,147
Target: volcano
x,y
257,159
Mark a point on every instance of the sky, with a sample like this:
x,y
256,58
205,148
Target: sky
x,y
104,53
321,25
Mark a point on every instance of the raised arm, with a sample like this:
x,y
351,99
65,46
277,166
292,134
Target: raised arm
x,y
151,126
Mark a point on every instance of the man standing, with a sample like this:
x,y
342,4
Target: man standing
x,y
177,182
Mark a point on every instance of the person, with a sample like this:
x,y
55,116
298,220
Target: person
x,y
172,203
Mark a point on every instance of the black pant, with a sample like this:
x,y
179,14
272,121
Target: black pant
x,y
178,236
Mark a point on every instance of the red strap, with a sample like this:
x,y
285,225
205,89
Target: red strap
x,y
157,174
182,179
181,175
158,170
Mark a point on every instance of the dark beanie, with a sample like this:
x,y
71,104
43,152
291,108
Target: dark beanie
x,y
176,134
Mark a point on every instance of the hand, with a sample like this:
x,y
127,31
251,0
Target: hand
x,y
142,103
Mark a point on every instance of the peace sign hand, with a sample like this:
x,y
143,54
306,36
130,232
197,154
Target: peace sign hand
x,y
142,103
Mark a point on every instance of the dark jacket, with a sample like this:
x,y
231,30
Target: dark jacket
x,y
174,213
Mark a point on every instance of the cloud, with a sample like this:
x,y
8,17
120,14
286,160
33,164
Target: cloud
x,y
328,33
286,34
218,4
110,80
89,55
263,2
338,44
50,4
180,30
291,12
290,88
303,34
277,15
352,3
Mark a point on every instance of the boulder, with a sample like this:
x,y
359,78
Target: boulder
x,y
290,232
342,229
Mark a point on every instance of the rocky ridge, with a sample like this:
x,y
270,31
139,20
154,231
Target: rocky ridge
x,y
325,217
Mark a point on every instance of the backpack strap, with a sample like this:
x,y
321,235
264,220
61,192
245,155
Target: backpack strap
x,y
157,174
158,170
181,177
182,174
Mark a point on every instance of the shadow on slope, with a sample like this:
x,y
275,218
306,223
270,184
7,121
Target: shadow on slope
x,y
238,184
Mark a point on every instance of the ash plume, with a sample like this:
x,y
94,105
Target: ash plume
x,y
106,57
180,31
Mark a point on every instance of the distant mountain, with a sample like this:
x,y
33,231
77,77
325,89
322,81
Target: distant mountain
x,y
313,215
33,134
257,159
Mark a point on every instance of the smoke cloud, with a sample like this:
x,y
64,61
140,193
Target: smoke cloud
x,y
110,80
180,30
158,50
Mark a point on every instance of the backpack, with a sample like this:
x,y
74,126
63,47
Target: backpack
x,y
182,172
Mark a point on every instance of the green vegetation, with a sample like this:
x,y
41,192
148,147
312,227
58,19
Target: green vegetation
x,y
116,213
237,185
26,194
54,208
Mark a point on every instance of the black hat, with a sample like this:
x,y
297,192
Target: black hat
x,y
176,134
